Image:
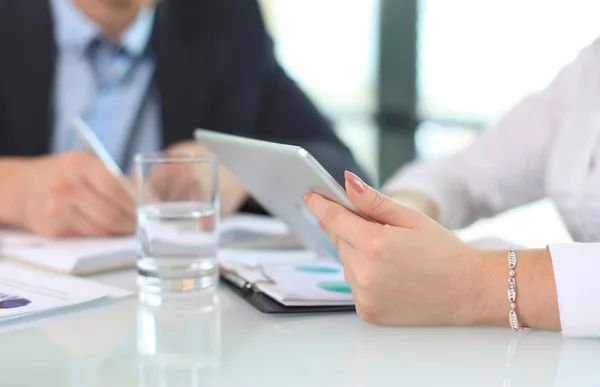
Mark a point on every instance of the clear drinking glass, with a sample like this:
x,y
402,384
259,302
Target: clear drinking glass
x,y
179,339
177,221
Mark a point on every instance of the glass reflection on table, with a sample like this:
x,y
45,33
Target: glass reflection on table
x,y
179,339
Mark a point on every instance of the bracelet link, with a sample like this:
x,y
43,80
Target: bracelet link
x,y
514,320
512,258
512,290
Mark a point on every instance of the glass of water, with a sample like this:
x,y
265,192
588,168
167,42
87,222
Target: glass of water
x,y
177,221
179,339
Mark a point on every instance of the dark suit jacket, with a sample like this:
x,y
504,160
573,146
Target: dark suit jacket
x,y
215,69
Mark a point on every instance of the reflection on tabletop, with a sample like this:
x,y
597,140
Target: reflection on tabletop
x,y
333,351
201,340
170,341
179,339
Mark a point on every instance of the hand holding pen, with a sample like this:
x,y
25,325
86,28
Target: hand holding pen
x,y
73,194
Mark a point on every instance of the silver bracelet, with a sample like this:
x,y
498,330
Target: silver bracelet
x,y
512,290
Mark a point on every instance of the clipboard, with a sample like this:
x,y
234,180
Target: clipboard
x,y
265,304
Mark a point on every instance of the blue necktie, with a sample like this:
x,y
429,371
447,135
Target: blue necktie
x,y
111,65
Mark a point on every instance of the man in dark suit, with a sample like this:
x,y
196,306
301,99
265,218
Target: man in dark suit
x,y
143,76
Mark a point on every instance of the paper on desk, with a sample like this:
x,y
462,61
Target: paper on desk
x,y
254,232
310,282
243,226
69,255
256,257
91,255
27,291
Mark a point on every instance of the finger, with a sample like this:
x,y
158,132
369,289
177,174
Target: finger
x,y
347,254
164,181
377,206
170,176
83,226
335,239
154,187
67,221
186,186
116,190
348,257
103,214
337,219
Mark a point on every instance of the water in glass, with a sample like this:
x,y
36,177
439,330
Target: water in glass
x,y
178,243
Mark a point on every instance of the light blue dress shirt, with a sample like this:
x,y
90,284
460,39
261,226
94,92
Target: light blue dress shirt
x,y
108,84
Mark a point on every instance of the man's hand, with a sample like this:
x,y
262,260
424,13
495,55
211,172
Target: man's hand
x,y
233,193
72,194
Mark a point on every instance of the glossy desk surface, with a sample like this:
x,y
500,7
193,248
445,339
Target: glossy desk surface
x,y
218,340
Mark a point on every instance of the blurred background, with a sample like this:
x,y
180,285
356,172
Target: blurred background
x,y
405,79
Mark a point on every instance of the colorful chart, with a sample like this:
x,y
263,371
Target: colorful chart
x,y
335,286
315,269
14,303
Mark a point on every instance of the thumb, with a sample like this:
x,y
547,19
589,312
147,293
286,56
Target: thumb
x,y
377,206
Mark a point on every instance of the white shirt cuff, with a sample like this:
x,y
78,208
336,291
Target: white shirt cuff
x,y
576,272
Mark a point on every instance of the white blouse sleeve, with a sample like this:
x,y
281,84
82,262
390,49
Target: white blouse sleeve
x,y
576,271
504,168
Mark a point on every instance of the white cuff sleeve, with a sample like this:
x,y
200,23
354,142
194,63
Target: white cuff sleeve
x,y
577,274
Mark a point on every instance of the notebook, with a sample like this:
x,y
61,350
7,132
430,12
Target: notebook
x,y
287,282
82,256
26,291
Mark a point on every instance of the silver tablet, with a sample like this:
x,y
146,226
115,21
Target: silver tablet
x,y
276,176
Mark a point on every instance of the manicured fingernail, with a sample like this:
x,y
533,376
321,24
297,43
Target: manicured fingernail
x,y
306,197
355,183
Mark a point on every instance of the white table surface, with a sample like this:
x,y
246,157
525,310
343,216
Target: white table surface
x,y
124,343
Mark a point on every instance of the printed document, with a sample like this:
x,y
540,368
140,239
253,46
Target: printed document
x,y
26,291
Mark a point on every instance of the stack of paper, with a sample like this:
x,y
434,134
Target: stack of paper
x,y
25,291
91,255
313,282
245,227
254,257
69,255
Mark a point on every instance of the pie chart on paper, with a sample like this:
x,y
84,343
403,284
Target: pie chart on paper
x,y
335,286
14,303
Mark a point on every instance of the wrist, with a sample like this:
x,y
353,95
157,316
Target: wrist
x,y
490,306
536,301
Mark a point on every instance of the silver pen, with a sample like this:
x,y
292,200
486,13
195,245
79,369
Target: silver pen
x,y
88,136
234,278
